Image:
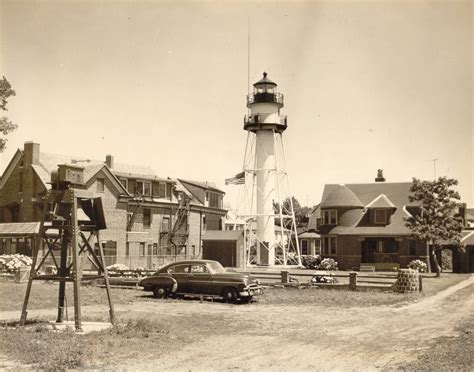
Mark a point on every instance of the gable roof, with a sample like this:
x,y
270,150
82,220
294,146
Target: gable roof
x,y
203,185
381,201
10,167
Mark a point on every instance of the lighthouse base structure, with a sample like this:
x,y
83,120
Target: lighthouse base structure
x,y
265,204
265,189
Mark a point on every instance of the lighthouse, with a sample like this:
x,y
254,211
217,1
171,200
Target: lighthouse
x,y
266,185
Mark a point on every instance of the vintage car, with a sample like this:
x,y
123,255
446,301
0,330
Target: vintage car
x,y
201,278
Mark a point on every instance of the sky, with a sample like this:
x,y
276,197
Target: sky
x,y
368,85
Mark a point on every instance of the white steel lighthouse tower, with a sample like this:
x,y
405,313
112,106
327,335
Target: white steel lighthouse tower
x,y
266,206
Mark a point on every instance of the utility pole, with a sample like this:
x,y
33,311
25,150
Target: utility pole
x,y
434,167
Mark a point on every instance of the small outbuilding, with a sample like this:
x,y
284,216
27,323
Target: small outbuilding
x,y
227,247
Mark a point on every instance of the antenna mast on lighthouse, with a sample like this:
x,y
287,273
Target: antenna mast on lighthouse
x,y
266,204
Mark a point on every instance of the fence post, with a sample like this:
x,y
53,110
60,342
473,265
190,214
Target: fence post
x,y
353,281
285,277
420,287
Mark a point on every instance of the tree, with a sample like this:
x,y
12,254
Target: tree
x,y
6,126
300,212
437,221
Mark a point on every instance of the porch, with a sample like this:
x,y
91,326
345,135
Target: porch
x,y
380,254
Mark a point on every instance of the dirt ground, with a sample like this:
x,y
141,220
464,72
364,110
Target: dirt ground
x,y
307,336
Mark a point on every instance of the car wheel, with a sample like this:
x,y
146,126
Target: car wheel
x,y
230,295
160,292
246,300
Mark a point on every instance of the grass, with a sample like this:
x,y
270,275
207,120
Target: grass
x,y
146,336
44,295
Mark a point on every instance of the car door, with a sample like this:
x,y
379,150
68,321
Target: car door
x,y
200,279
181,274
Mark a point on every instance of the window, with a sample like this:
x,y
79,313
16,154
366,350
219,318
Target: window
x,y
380,216
142,188
214,200
178,269
150,249
162,190
199,269
155,249
411,247
165,224
142,249
317,244
318,223
147,188
204,222
139,187
330,217
146,217
124,183
127,249
304,246
329,245
155,189
100,185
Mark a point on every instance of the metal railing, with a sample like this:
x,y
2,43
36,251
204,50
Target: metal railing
x,y
262,119
265,97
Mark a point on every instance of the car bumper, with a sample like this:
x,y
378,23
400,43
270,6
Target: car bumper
x,y
251,290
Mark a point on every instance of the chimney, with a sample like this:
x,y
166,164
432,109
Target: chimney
x,y
31,152
109,161
380,177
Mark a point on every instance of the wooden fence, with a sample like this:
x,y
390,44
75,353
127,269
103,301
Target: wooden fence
x,y
343,280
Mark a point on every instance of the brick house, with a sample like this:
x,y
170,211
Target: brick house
x,y
150,220
363,224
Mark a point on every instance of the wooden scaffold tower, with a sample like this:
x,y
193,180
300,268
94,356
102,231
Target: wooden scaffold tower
x,y
68,236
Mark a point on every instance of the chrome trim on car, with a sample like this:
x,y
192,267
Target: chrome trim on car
x,y
251,290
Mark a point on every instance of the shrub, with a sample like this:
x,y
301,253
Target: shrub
x,y
418,265
311,262
13,262
117,267
328,264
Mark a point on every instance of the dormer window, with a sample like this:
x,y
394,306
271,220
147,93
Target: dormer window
x,y
214,200
380,216
330,217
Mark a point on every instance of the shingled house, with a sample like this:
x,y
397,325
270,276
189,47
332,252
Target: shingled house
x,y
362,224
150,219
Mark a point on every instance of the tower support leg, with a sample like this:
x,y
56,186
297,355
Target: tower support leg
x,y
24,313
106,279
75,265
63,273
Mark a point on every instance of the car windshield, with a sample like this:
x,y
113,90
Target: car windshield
x,y
216,267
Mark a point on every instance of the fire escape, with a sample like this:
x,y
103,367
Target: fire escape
x,y
178,234
131,215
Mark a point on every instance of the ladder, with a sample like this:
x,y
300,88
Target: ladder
x,y
180,230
